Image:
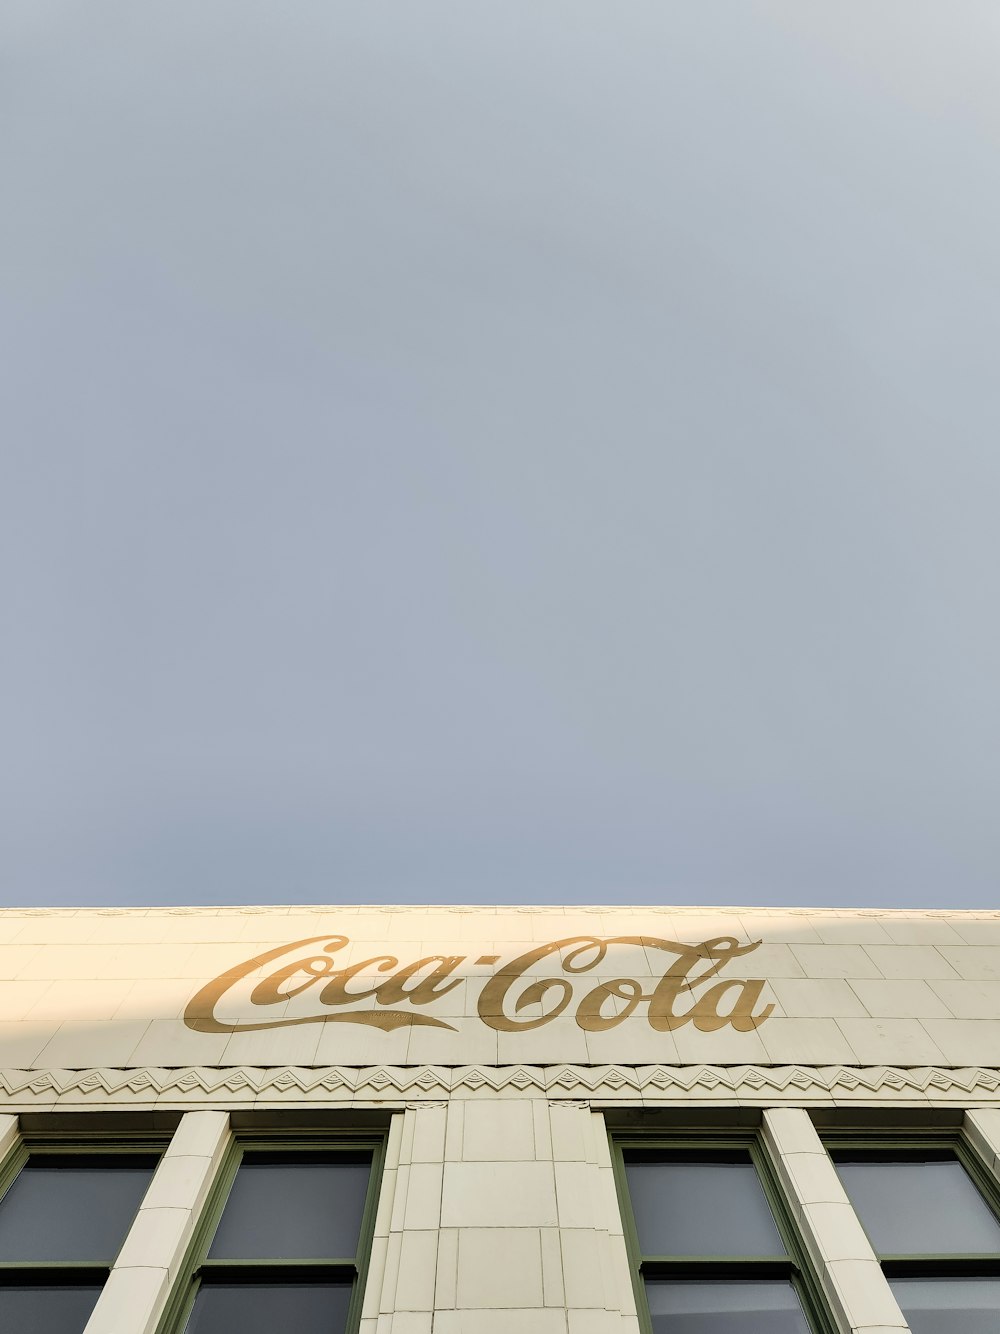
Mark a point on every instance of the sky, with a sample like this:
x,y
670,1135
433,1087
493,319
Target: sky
x,y
531,452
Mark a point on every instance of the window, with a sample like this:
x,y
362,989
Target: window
x,y
933,1217
285,1240
64,1214
711,1247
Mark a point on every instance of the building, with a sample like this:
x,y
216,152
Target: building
x,y
481,1120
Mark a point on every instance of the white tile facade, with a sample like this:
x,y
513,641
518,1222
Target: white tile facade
x,y
498,1210
538,1237
136,1292
110,989
850,1274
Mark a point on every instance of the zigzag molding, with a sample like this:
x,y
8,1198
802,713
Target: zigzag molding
x,y
236,1084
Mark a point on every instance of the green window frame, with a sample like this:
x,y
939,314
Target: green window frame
x,y
908,1148
199,1269
792,1267
55,1149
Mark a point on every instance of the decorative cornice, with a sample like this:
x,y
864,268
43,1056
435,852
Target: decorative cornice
x,y
503,910
650,1083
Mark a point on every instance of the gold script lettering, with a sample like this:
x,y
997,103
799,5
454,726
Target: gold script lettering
x,y
201,1012
589,1014
676,982
426,989
704,1014
512,1001
494,994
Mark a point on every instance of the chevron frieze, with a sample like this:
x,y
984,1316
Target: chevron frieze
x,y
608,1082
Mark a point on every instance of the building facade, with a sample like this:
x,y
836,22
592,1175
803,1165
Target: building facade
x,y
480,1120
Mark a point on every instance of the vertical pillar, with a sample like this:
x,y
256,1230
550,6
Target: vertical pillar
x,y
595,1266
136,1291
983,1129
399,1293
851,1276
498,1263
501,1215
8,1135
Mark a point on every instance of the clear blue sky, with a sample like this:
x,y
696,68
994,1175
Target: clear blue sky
x,y
531,451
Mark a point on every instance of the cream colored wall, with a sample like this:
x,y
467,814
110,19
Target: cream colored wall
x,y
499,1216
498,1211
104,989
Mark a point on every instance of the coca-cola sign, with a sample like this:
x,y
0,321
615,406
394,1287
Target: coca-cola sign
x,y
309,983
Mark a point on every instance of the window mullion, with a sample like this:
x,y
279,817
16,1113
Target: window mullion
x,y
9,1136
849,1271
713,1267
52,1271
137,1287
982,1128
271,1204
941,1266
276,1271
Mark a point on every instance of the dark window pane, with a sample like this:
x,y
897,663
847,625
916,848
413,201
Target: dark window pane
x,y
36,1310
959,1305
72,1209
294,1209
701,1207
252,1308
925,1207
730,1306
